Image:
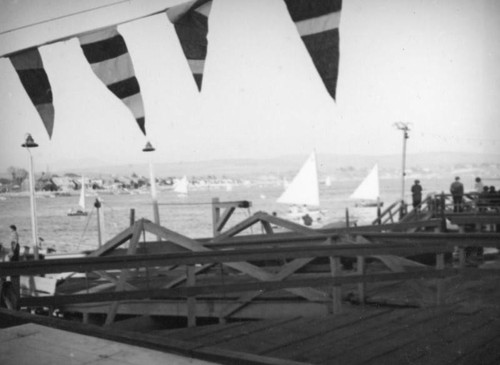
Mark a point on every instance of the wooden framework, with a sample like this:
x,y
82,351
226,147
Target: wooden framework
x,y
232,272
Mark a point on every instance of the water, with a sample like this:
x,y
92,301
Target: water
x,y
190,216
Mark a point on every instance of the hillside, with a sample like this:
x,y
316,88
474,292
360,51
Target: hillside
x,y
288,165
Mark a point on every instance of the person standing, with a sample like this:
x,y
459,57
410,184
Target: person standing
x,y
478,185
416,195
14,244
457,193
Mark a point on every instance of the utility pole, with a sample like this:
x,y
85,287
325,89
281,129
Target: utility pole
x,y
404,127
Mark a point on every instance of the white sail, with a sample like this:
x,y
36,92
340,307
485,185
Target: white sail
x,y
369,187
181,187
304,188
328,181
81,202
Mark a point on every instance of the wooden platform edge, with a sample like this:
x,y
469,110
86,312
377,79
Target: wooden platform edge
x,y
10,318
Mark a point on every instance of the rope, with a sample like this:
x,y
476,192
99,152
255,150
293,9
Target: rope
x,y
63,16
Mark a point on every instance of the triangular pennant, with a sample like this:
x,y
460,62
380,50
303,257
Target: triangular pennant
x,y
108,56
29,67
318,25
191,25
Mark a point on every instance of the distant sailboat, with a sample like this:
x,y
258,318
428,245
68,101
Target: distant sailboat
x,y
303,193
328,181
181,186
81,202
368,192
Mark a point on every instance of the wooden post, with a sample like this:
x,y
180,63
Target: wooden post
x,y
347,220
97,205
440,282
191,301
215,215
132,216
361,272
336,289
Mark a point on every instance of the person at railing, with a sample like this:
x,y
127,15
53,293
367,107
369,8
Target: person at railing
x,y
482,202
457,193
416,195
478,185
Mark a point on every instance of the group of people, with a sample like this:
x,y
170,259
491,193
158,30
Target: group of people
x,y
483,194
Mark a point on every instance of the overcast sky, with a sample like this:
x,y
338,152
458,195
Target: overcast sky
x,y
431,64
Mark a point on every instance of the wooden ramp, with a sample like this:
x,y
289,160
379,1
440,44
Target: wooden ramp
x,y
36,344
444,335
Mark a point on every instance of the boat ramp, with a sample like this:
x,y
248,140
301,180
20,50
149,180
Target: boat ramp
x,y
416,287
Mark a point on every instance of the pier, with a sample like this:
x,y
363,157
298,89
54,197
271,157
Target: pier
x,y
408,289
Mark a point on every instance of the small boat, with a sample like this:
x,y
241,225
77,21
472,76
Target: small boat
x,y
367,193
302,194
80,212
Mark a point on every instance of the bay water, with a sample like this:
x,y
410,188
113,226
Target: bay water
x,y
190,215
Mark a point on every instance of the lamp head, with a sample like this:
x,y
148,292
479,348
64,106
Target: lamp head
x,y
149,147
30,142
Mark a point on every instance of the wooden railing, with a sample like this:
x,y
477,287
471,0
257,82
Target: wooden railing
x,y
257,279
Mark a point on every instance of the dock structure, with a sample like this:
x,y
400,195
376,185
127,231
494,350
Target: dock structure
x,y
394,290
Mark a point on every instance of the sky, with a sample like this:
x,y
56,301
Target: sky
x,y
431,64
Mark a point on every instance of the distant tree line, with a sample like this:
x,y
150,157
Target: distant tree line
x,y
18,175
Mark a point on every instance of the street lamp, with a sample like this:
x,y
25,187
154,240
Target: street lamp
x,y
30,143
149,148
405,129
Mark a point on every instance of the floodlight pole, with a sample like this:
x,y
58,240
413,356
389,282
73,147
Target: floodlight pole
x,y
405,129
154,196
30,143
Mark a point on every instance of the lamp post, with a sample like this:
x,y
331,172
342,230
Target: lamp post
x,y
149,148
30,143
405,129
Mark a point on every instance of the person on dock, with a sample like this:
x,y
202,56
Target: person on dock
x,y
14,244
457,193
416,195
478,185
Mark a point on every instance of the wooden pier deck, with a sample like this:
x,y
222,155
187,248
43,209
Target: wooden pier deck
x,y
463,332
283,298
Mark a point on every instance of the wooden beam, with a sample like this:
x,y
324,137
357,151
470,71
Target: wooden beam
x,y
120,285
468,273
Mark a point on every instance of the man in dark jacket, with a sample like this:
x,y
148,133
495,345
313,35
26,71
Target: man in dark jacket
x,y
457,193
416,195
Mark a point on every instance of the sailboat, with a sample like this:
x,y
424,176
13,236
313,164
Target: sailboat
x,y
181,187
303,194
81,203
368,192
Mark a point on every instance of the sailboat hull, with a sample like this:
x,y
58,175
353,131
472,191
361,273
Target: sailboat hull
x,y
369,204
78,214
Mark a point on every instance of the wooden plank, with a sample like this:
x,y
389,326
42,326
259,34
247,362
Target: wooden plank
x,y
309,332
430,344
476,334
258,285
393,336
335,271
233,333
188,349
488,354
355,338
191,300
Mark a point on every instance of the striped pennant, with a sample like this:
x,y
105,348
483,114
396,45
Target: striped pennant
x,y
29,68
318,22
191,25
108,56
